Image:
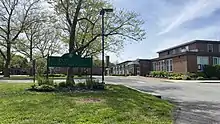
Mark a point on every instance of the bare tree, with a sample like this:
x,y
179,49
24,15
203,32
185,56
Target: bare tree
x,y
14,19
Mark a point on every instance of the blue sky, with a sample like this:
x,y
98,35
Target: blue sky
x,y
169,23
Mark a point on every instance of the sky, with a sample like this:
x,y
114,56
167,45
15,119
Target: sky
x,y
169,23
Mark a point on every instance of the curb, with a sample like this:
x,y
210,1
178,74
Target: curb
x,y
151,93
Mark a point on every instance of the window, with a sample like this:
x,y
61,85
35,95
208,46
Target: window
x,y
187,48
164,65
173,51
216,60
160,66
168,53
219,48
210,47
154,66
202,60
169,65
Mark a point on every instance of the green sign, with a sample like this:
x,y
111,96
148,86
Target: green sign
x,y
69,60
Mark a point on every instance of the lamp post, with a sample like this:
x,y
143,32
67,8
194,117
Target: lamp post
x,y
102,13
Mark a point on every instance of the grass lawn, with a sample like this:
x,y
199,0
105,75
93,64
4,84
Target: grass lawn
x,y
26,77
115,105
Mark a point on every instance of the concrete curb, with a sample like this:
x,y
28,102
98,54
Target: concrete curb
x,y
151,93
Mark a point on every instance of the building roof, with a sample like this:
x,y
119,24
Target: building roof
x,y
124,62
188,43
134,63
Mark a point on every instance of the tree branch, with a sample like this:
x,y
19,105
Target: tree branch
x,y
67,12
86,20
23,21
3,55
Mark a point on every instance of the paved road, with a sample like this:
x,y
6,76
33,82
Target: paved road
x,y
198,103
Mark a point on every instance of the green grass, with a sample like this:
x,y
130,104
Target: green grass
x,y
31,77
115,105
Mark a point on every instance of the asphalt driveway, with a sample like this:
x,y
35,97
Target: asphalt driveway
x,y
197,103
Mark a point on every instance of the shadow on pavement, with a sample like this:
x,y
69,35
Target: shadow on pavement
x,y
197,113
188,112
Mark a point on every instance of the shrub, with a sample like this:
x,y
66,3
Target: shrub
x,y
45,88
186,77
178,78
170,78
81,85
210,71
62,84
200,78
42,80
154,73
94,84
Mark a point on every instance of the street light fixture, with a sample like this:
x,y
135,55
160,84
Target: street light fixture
x,y
102,13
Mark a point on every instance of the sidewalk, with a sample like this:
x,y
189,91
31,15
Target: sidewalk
x,y
175,81
193,81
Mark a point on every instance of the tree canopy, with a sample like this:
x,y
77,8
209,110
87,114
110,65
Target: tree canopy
x,y
62,26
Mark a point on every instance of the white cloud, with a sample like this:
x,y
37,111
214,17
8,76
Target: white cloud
x,y
207,33
191,10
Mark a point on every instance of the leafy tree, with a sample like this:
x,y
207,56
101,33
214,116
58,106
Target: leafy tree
x,y
19,61
81,25
14,19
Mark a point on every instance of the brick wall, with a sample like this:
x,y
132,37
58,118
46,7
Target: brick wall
x,y
145,67
180,64
192,63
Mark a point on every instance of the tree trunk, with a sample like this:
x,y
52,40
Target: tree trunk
x,y
31,58
70,79
72,40
7,62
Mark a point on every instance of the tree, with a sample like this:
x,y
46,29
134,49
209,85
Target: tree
x,y
19,61
13,21
1,63
81,25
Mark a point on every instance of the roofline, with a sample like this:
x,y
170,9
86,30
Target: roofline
x,y
187,43
124,62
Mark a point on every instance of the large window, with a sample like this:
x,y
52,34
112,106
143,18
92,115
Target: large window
x,y
202,60
219,48
169,65
216,60
154,66
210,47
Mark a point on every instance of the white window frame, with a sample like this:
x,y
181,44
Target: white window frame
x,y
201,60
218,61
169,65
208,47
187,48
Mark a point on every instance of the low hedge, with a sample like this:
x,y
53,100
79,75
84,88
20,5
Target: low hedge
x,y
169,75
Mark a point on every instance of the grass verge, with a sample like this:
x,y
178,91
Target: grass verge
x,y
117,104
30,78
